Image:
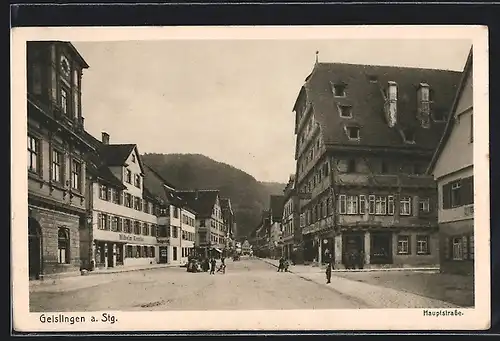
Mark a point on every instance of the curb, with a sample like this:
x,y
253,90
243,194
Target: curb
x,y
104,272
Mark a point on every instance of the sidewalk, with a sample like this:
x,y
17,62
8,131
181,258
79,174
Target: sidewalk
x,y
371,295
91,279
315,268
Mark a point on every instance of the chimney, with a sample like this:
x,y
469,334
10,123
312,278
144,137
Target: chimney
x,y
105,137
423,105
391,105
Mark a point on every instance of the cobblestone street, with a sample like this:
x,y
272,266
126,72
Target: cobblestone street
x,y
247,284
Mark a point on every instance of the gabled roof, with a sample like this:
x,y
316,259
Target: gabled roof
x,y
202,201
96,165
225,204
276,206
451,115
117,154
367,100
158,175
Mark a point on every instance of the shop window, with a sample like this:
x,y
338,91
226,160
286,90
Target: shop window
x,y
63,246
404,245
130,251
423,245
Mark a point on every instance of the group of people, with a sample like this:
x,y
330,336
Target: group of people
x,y
198,265
283,265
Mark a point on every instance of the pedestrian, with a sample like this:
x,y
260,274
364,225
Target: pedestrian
x,y
281,264
213,263
361,260
222,267
328,272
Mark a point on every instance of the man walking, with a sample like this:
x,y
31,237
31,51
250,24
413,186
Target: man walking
x,y
328,272
213,263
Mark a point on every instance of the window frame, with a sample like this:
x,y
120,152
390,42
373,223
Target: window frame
x,y
424,205
349,129
390,205
423,240
403,202
34,153
404,240
456,187
79,164
60,165
66,241
342,201
457,246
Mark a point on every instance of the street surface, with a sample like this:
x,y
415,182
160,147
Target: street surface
x,y
248,284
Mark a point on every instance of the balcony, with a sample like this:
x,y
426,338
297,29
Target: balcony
x,y
321,225
382,180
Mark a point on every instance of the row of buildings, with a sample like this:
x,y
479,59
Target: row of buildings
x,y
384,170
95,204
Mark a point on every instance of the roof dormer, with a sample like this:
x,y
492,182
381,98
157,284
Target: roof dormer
x,y
408,135
339,89
423,102
391,104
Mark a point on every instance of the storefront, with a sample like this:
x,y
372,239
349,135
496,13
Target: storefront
x,y
111,249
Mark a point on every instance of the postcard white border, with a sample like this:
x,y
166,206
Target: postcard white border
x,y
368,319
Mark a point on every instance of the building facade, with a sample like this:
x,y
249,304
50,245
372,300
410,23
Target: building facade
x,y
276,204
176,220
292,234
229,222
453,169
56,164
123,222
365,135
211,231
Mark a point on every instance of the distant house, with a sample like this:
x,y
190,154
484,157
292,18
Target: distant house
x,y
453,169
365,135
211,230
229,221
292,234
275,229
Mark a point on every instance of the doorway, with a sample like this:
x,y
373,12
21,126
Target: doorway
x,y
34,249
110,255
163,255
381,248
353,246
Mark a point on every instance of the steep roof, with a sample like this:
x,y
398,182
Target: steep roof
x,y
97,166
276,206
225,204
451,116
202,201
367,100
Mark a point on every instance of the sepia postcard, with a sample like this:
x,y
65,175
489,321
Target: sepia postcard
x,y
250,178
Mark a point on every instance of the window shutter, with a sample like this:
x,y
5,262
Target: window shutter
x,y
446,196
467,191
410,242
446,248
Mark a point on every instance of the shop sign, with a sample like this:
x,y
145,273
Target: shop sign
x,y
130,238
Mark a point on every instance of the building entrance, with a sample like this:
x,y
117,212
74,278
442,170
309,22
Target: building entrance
x,y
381,248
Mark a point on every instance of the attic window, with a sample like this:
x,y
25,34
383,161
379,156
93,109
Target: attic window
x,y
345,111
339,90
353,133
133,157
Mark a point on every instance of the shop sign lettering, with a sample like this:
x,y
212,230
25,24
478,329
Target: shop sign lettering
x,y
130,238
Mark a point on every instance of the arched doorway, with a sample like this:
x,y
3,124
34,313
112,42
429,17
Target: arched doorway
x,y
34,249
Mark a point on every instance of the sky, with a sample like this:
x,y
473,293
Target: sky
x,y
230,100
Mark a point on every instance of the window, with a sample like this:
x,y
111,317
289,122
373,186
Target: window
x,y
114,224
76,171
423,245
380,205
137,181
119,224
137,203
103,192
390,205
137,227
339,90
404,245
174,253
457,248
342,204
63,246
345,111
371,204
405,206
128,176
64,101
409,136
353,133
352,204
57,166
128,200
116,196
362,204
424,204
145,229
174,232
126,226
133,158
130,251
33,154
455,194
